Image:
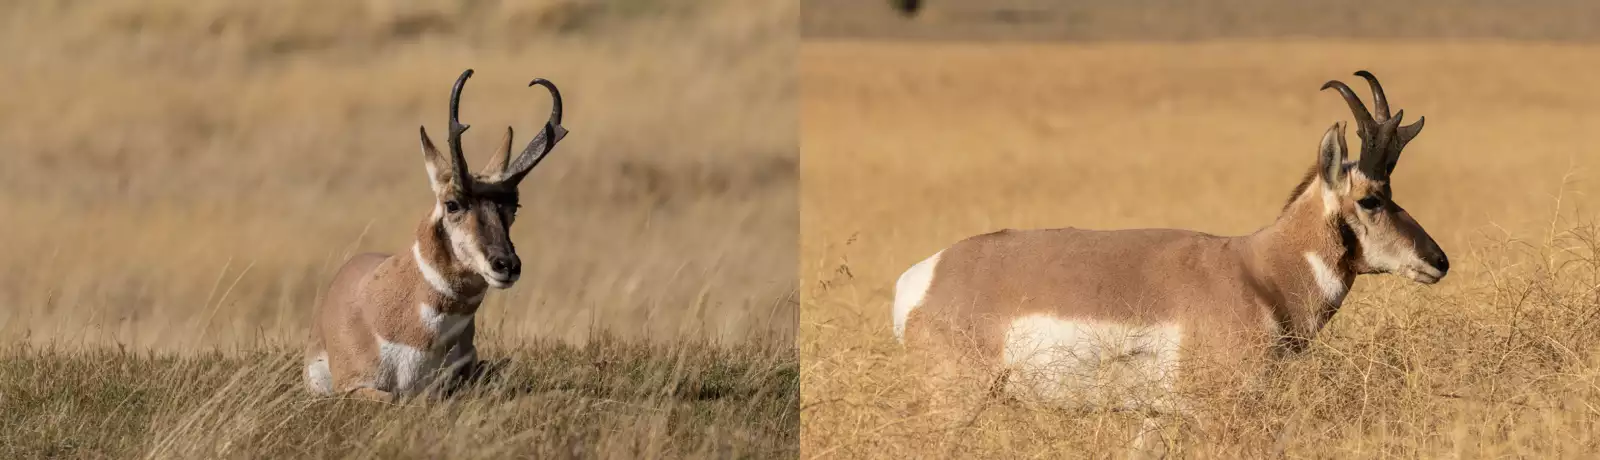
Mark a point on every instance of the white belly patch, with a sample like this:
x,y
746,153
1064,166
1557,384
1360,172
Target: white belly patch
x,y
1083,363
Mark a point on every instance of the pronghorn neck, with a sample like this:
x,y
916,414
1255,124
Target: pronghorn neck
x,y
448,284
1304,259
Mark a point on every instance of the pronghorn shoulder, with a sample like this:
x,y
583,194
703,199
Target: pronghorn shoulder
x,y
365,266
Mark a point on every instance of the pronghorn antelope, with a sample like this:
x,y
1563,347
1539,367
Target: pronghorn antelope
x,y
391,325
1061,315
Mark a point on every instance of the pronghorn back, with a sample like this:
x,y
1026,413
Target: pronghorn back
x,y
975,282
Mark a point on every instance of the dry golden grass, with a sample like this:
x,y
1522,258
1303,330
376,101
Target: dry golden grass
x,y
909,147
605,399
180,174
180,179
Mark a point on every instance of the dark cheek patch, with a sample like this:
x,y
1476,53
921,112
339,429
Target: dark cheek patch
x,y
1347,237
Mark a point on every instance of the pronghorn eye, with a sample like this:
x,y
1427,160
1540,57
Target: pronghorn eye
x,y
1370,203
452,206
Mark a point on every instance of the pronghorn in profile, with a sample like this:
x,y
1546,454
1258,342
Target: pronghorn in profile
x,y
390,325
1060,315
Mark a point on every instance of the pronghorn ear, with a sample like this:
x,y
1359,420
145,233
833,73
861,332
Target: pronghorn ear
x,y
497,163
1331,156
440,176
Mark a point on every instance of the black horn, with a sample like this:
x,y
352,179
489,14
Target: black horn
x,y
1382,138
458,160
1364,119
544,141
1380,104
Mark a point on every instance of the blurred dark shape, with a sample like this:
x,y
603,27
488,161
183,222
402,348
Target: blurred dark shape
x,y
907,8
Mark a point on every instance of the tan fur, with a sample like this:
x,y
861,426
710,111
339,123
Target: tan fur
x,y
1234,303
400,325
375,296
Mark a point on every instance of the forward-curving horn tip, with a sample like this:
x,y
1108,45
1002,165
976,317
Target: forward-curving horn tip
x,y
455,100
1380,102
556,108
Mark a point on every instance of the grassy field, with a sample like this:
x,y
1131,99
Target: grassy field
x,y
606,399
180,179
909,146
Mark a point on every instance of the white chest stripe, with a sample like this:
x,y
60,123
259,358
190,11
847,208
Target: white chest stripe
x,y
1332,287
447,328
433,276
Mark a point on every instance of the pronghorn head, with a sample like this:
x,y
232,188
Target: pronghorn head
x,y
473,213
1380,235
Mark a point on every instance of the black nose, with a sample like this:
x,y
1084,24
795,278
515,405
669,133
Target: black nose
x,y
1440,262
509,265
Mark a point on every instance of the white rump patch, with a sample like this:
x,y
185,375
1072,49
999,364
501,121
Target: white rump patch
x,y
319,378
1331,285
433,276
1084,363
910,290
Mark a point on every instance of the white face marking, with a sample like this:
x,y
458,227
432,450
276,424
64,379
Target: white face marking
x,y
1401,259
319,378
1093,363
433,276
1330,283
465,247
909,291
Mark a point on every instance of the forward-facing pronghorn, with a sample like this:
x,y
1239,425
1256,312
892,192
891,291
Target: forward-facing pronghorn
x,y
391,325
1087,318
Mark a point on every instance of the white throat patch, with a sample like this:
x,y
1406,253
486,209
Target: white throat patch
x,y
431,274
1331,285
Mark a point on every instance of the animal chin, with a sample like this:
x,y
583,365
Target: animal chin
x,y
1421,276
499,281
